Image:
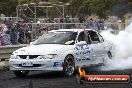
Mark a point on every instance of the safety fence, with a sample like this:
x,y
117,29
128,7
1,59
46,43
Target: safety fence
x,y
95,26
6,51
42,19
41,28
31,31
8,18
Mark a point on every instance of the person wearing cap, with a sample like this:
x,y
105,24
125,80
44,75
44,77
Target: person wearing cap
x,y
67,20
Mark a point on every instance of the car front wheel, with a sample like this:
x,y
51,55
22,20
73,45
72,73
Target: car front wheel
x,y
21,73
69,66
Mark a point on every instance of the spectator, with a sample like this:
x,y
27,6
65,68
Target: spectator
x,y
33,32
81,19
28,35
13,34
67,20
22,35
1,30
61,21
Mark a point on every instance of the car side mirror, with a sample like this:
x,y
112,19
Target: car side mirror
x,y
81,43
31,43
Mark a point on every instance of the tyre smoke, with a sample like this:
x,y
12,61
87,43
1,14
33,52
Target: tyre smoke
x,y
123,49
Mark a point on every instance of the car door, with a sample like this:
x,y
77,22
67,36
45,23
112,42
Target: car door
x,y
97,47
102,44
83,51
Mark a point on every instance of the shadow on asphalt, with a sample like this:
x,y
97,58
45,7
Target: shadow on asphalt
x,y
89,71
48,75
45,75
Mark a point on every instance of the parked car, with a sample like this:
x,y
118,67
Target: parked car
x,y
61,50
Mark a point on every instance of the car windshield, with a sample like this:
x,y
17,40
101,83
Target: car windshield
x,y
59,37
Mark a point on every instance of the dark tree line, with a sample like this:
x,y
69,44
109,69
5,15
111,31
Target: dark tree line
x,y
102,8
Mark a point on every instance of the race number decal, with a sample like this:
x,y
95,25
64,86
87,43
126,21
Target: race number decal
x,y
82,52
81,47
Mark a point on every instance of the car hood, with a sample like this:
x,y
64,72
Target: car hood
x,y
39,49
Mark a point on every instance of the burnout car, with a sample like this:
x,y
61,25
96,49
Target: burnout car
x,y
61,50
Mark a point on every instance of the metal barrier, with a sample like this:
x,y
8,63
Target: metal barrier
x,y
56,25
116,26
6,51
8,18
72,20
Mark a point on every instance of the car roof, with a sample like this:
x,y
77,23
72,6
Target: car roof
x,y
74,30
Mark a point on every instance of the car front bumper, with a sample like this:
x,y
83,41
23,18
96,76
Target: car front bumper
x,y
47,65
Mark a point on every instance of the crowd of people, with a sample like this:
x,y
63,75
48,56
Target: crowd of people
x,y
96,24
21,32
13,33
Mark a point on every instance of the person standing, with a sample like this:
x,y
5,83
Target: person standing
x,y
81,19
67,20
12,31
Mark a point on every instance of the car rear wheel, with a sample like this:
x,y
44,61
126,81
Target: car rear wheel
x,y
69,66
109,55
21,73
107,58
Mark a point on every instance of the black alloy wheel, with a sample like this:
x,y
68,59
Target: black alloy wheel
x,y
69,66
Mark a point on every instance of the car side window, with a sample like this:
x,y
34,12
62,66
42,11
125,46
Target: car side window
x,y
94,37
84,36
81,37
100,38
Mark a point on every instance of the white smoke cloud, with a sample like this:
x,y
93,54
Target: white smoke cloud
x,y
123,49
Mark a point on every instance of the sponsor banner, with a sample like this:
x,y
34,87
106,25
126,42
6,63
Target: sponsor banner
x,y
103,79
107,78
5,39
83,78
0,40
57,64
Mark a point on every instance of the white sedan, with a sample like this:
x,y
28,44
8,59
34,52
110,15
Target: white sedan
x,y
61,50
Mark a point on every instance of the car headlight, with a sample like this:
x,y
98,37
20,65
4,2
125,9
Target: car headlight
x,y
42,57
13,57
51,56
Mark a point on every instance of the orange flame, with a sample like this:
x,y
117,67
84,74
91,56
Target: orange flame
x,y
81,71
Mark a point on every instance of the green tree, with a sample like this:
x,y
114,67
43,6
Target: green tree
x,y
8,7
102,8
75,6
98,7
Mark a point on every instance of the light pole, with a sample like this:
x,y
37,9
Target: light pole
x,y
47,6
48,10
63,7
17,11
63,13
27,5
35,15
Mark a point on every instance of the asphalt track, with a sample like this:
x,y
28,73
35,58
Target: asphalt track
x,y
56,80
